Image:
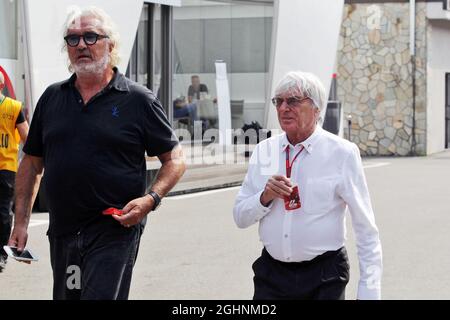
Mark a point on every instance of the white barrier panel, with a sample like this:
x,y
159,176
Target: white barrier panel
x,y
43,23
305,36
223,102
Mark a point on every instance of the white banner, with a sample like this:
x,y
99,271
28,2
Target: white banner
x,y
43,26
305,37
223,102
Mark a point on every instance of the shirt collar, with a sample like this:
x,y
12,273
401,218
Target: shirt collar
x,y
308,144
117,82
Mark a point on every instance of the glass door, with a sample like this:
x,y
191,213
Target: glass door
x,y
144,66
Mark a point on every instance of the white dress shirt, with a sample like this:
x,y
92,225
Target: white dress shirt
x,y
331,179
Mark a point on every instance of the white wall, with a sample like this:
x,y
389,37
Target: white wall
x,y
44,27
248,86
438,64
304,37
14,67
217,10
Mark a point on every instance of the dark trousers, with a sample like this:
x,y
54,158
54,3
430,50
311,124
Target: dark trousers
x,y
7,179
323,278
96,263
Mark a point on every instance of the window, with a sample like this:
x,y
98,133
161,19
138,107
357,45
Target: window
x,y
243,43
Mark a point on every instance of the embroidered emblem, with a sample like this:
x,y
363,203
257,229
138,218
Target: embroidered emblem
x,y
115,112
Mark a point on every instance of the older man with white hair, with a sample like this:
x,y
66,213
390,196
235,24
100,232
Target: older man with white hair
x,y
13,130
90,133
298,187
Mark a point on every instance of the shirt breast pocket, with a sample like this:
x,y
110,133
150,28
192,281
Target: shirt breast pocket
x,y
319,194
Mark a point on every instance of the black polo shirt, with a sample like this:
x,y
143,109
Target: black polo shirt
x,y
94,154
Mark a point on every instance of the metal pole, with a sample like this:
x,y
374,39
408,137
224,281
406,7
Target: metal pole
x,y
150,44
166,60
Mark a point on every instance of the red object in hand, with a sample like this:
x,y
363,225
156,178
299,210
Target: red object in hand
x,y
113,211
292,202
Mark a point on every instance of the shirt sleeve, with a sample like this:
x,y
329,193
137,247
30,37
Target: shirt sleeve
x,y
190,91
158,135
248,208
34,145
356,195
21,117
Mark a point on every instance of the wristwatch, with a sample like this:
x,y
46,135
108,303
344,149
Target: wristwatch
x,y
156,198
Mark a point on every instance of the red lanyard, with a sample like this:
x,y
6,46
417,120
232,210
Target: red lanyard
x,y
289,164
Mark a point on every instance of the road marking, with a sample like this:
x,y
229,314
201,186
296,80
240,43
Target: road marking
x,y
202,193
376,165
35,223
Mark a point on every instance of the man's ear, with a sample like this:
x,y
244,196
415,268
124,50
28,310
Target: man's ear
x,y
317,114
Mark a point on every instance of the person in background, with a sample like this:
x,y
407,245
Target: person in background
x,y
182,109
13,130
196,89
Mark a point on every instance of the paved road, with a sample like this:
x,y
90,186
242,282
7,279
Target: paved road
x,y
191,248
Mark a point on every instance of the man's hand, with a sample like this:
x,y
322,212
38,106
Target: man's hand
x,y
27,185
19,237
135,211
276,187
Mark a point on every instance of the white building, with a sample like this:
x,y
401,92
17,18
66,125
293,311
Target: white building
x,y
259,41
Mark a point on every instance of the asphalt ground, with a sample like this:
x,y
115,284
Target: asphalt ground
x,y
191,248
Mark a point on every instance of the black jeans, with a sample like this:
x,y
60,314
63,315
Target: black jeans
x,y
7,179
323,278
96,263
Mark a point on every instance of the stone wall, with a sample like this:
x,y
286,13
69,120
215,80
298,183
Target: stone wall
x,y
374,77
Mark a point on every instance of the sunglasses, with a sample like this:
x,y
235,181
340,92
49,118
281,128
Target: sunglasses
x,y
292,102
90,38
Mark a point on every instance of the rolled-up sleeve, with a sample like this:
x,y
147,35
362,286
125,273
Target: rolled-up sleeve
x,y
248,208
356,194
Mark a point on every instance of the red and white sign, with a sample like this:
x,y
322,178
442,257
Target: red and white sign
x,y
9,89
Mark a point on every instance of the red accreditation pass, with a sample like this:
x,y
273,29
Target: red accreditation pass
x,y
292,202
112,211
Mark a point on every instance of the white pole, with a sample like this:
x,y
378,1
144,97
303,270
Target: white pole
x,y
223,103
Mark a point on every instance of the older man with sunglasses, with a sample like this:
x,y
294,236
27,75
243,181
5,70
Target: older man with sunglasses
x,y
298,187
90,133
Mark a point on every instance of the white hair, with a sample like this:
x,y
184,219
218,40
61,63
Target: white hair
x,y
2,78
106,24
306,84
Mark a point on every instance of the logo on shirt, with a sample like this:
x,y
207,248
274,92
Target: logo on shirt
x,y
8,116
115,112
4,141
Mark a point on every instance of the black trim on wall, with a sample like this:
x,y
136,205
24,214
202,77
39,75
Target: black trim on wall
x,y
136,57
447,109
166,59
387,1
150,44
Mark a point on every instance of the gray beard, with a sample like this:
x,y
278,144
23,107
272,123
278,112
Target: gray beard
x,y
96,67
